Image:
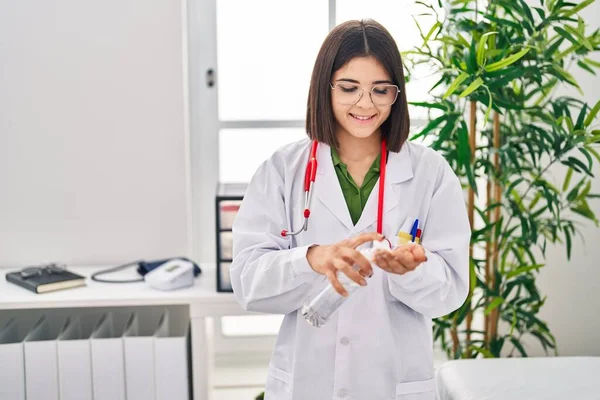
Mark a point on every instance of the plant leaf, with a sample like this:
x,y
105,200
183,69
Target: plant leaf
x,y
433,28
581,165
514,184
507,61
567,179
430,126
523,269
583,65
427,105
568,242
564,76
584,210
592,62
493,304
464,154
566,35
580,37
460,79
472,87
489,107
592,114
577,8
518,346
588,157
594,152
481,47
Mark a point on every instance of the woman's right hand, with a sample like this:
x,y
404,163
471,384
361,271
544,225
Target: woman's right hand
x,y
343,256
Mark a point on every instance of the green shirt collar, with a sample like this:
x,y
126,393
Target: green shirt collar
x,y
335,157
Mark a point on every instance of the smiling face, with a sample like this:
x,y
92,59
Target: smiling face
x,y
364,118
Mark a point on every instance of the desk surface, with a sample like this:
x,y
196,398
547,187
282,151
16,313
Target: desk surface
x,y
203,296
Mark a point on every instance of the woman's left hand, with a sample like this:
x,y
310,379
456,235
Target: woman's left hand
x,y
402,259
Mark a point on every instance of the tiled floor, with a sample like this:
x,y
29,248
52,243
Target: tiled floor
x,y
235,394
243,382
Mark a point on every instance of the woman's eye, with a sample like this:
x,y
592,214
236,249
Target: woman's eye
x,y
380,90
347,89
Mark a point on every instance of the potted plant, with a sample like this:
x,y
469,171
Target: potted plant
x,y
495,115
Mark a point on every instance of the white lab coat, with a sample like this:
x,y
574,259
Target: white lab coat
x,y
378,345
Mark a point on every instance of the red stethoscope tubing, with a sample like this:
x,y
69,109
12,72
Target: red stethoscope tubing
x,y
309,179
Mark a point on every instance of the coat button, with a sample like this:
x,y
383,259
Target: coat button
x,y
342,393
345,341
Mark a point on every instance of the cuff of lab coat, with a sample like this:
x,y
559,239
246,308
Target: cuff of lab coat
x,y
300,263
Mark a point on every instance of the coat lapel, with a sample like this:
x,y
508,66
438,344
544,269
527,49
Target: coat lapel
x,y
398,170
327,188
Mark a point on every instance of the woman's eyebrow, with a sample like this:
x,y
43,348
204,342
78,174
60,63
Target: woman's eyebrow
x,y
383,81
355,81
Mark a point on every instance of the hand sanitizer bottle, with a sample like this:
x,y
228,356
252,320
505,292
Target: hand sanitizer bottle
x,y
320,309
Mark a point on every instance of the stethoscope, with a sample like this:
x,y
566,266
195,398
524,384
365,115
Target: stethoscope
x,y
309,180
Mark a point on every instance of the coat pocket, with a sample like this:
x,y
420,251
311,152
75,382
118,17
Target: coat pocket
x,y
417,390
279,384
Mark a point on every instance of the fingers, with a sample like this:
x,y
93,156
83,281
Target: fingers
x,y
363,238
335,283
388,262
419,254
402,259
411,255
382,260
353,257
350,272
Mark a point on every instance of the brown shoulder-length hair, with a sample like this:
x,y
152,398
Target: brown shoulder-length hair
x,y
351,39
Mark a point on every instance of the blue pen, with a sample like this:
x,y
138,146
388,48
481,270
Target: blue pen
x,y
413,231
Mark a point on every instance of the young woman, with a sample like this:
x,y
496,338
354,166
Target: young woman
x,y
370,183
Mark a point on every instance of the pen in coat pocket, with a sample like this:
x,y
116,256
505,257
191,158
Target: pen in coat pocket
x,y
404,232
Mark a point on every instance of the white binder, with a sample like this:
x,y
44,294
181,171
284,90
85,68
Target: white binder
x,y
74,360
108,374
41,363
12,362
172,357
138,345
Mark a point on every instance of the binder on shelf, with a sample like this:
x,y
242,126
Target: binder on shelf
x,y
228,200
138,346
12,362
74,359
108,371
172,357
41,361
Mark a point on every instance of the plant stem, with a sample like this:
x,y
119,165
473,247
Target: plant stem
x,y
494,315
471,205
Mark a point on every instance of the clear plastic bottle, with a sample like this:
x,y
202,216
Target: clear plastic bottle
x,y
318,311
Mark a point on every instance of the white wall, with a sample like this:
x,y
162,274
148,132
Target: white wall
x,y
572,309
93,131
93,151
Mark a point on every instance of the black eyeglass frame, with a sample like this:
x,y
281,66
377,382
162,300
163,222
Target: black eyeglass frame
x,y
52,268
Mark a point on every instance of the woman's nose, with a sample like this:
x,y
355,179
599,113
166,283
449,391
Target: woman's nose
x,y
365,100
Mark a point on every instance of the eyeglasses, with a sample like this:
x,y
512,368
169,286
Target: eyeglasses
x,y
53,268
348,94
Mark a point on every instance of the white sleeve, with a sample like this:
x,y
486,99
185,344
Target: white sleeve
x,y
266,274
441,284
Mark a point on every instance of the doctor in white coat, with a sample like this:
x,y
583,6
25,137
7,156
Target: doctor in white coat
x,y
378,345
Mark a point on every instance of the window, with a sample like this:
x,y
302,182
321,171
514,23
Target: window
x,y
253,146
264,52
399,19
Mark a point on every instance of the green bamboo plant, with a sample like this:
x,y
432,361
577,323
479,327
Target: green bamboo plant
x,y
496,117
